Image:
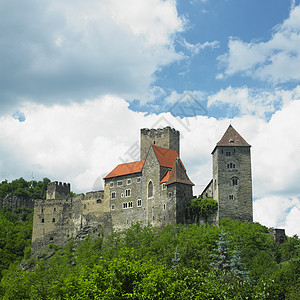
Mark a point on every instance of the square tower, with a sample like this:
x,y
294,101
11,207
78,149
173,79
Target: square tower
x,y
166,137
232,180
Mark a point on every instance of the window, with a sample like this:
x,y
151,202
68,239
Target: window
x,y
127,193
150,189
84,206
228,153
222,151
43,220
42,210
153,218
113,195
112,207
234,181
163,187
99,201
153,142
53,220
125,205
139,203
120,183
130,204
231,166
138,180
165,206
122,195
128,181
111,185
231,197
170,195
54,209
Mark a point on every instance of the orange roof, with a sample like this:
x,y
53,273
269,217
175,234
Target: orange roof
x,y
125,169
166,177
166,157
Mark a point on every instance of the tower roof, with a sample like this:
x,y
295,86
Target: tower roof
x,y
232,138
178,174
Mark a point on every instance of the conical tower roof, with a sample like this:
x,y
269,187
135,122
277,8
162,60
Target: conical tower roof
x,y
178,174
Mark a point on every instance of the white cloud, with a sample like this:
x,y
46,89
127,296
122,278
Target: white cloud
x,y
79,143
60,50
194,49
252,101
276,60
280,212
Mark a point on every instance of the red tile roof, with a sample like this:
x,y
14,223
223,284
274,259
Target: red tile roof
x,y
178,174
166,157
166,177
125,169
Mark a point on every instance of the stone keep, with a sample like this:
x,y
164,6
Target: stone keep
x,y
166,137
232,181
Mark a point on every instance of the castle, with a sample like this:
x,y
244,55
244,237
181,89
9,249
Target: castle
x,y
154,190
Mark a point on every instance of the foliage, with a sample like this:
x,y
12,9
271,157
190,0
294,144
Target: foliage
x,y
15,236
137,264
199,207
26,189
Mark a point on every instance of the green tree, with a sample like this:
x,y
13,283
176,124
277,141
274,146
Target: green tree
x,y
199,207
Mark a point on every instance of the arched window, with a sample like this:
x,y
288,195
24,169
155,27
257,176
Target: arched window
x,y
150,189
234,181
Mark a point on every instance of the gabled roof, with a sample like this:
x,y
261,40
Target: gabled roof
x,y
125,169
166,177
166,157
232,138
178,174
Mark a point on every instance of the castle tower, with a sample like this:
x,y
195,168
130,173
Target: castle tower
x,y
58,190
232,181
166,137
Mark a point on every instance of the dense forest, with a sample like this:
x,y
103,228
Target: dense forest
x,y
233,261
26,189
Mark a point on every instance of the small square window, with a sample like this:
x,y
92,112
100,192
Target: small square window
x,y
130,204
53,220
99,201
139,203
228,153
163,187
128,181
111,185
120,183
231,197
112,207
138,180
113,195
125,205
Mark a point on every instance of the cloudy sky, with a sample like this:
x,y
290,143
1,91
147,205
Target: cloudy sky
x,y
78,79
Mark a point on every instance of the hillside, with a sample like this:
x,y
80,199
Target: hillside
x,y
235,261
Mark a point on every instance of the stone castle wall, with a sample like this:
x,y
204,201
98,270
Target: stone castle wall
x,y
234,198
163,137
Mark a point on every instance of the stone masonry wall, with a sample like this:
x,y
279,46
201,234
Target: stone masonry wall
x,y
235,201
164,137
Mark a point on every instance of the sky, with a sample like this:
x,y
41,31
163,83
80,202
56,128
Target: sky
x,y
78,79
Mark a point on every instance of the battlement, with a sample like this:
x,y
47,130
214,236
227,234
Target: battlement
x,y
58,190
166,137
